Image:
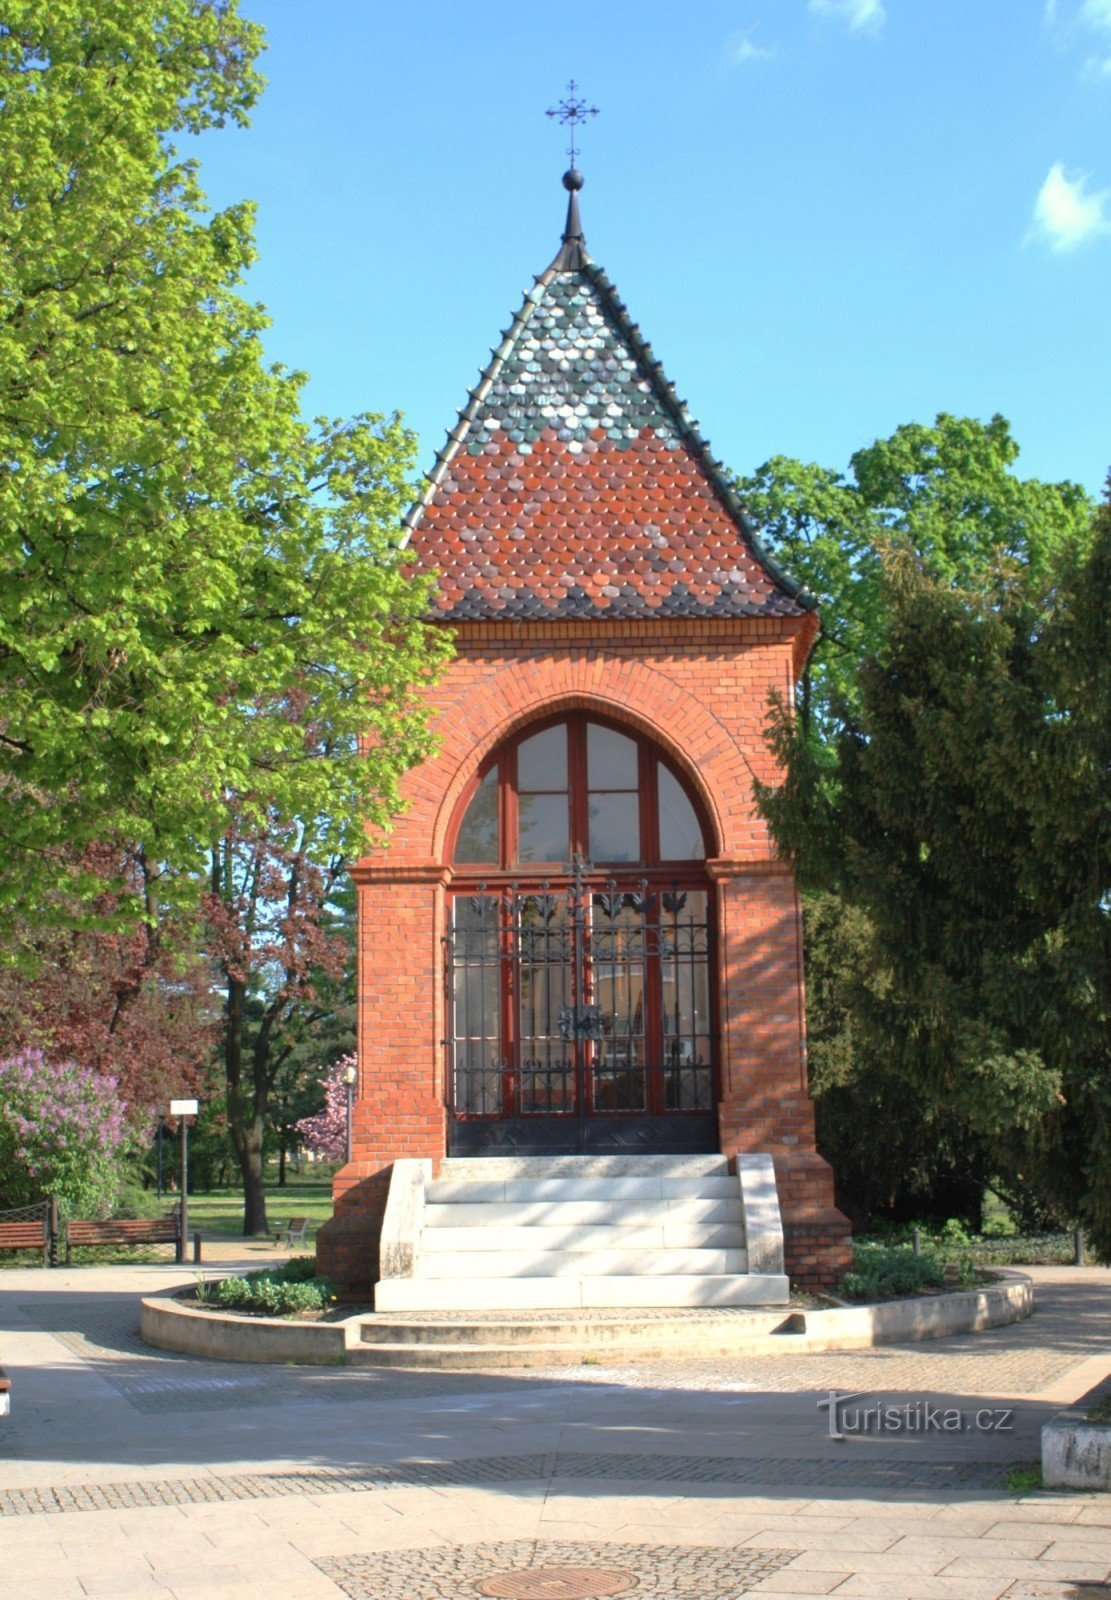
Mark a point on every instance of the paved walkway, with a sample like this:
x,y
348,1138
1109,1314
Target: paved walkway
x,y
124,1471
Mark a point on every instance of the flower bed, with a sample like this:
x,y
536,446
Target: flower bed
x,y
892,1272
293,1289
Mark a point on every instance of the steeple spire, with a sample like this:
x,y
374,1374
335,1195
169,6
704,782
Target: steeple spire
x,y
572,254
572,111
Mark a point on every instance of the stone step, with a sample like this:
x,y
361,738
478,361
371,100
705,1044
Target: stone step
x,y
585,1333
503,1167
606,1213
529,1294
584,1237
476,1358
449,1191
536,1263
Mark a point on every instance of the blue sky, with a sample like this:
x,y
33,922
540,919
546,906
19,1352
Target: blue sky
x,y
829,217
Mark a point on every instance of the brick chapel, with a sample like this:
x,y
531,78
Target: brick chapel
x,y
578,952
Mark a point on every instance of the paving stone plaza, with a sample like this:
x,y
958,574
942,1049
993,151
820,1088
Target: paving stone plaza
x,y
125,1471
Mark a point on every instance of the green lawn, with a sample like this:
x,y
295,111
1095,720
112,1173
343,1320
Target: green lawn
x,y
220,1211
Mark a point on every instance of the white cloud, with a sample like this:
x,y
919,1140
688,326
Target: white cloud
x,y
1066,213
861,16
1096,13
741,49
1097,67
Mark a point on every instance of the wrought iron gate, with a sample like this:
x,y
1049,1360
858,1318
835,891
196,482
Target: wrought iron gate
x,y
580,1018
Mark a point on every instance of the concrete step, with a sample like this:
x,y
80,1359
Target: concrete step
x,y
606,1213
586,1333
476,1358
526,1294
500,1168
584,1237
450,1191
580,1263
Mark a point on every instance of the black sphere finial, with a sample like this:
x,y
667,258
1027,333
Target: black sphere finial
x,y
573,180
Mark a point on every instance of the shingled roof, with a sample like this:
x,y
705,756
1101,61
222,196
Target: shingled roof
x,y
575,484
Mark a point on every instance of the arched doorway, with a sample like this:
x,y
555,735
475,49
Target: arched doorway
x,y
579,951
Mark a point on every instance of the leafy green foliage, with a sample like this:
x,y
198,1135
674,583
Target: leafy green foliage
x,y
969,820
952,1243
946,800
885,1272
897,1153
948,492
278,1291
191,575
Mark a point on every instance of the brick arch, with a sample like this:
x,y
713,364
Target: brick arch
x,y
691,737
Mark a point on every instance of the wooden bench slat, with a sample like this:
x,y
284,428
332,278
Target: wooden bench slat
x,y
124,1230
15,1235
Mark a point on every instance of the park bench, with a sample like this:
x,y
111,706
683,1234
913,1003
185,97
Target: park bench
x,y
124,1231
31,1233
294,1231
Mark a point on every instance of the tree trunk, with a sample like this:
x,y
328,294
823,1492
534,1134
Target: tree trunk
x,y
254,1188
281,1159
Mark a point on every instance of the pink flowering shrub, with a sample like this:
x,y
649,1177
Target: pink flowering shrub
x,y
325,1134
63,1131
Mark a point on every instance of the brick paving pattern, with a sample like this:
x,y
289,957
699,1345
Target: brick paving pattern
x,y
557,1583
192,1477
1022,1359
550,1467
663,1572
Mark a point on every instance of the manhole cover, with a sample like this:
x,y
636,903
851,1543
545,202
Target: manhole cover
x,y
556,1583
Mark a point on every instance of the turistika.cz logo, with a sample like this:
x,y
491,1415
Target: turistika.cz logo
x,y
848,1419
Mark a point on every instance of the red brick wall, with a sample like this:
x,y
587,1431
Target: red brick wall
x,y
701,690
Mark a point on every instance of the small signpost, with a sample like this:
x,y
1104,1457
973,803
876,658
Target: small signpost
x,y
183,1110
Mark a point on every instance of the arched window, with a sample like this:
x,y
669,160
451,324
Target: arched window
x,y
580,982
577,787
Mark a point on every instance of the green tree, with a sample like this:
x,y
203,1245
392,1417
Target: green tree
x,y
281,935
319,1037
948,491
184,560
896,1153
1062,782
968,819
950,495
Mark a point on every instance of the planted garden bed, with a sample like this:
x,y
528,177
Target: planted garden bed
x,y
292,1289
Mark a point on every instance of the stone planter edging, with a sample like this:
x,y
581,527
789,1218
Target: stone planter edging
x,y
936,1316
1076,1452
223,1336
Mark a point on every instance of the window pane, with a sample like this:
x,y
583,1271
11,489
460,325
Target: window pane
x,y
476,1003
680,833
543,827
478,835
542,760
477,1058
611,759
614,827
619,991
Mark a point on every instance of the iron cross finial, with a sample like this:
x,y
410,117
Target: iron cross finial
x,y
573,111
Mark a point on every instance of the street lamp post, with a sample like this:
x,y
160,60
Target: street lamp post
x,y
183,1110
350,1079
